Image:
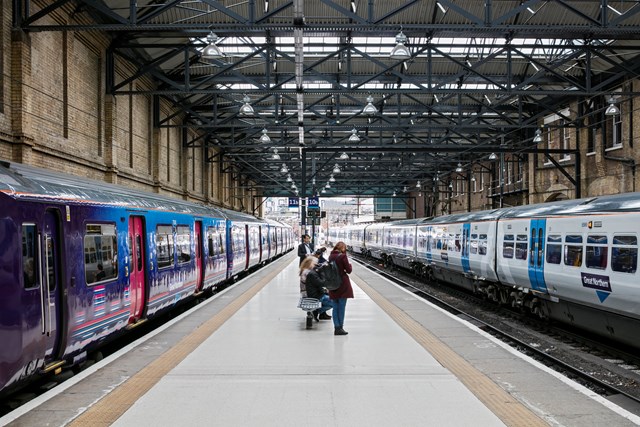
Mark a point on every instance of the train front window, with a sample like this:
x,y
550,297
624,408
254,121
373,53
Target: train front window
x,y
624,254
100,253
29,257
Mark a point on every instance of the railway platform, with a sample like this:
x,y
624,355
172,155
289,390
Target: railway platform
x,y
246,358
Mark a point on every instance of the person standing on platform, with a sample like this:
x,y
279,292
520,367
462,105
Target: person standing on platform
x,y
305,248
340,295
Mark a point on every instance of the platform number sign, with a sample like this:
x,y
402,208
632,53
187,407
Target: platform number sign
x,y
313,203
294,202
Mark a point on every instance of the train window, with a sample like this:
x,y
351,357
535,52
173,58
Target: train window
x,y
482,244
164,245
554,249
597,252
29,256
100,253
521,246
573,252
507,246
624,254
183,243
457,243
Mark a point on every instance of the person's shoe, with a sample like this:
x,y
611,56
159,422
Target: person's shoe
x,y
315,315
324,316
340,331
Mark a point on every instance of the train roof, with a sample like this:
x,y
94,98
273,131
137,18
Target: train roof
x,y
23,182
626,202
405,222
478,216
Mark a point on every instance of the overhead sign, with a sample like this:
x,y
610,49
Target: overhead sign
x,y
313,203
294,202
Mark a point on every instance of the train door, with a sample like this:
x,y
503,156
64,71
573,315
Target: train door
x,y
536,254
199,245
466,230
137,288
51,290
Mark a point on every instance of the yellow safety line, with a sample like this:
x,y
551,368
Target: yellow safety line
x,y
106,411
502,404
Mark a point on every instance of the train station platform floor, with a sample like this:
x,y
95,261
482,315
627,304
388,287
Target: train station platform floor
x,y
245,358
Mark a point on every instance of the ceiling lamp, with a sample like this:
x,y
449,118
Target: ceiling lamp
x,y
275,155
246,109
394,194
354,135
612,109
336,168
265,138
212,51
400,52
284,168
538,138
289,179
293,186
369,109
418,184
323,191
332,179
405,189
493,156
327,186
344,156
459,168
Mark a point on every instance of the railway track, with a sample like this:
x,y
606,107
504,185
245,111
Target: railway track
x,y
609,371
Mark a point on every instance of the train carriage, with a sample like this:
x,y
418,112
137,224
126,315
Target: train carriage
x,y
82,261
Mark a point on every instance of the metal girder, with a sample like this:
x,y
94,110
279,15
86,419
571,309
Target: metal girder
x,y
308,76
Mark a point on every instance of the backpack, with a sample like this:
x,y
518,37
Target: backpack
x,y
330,275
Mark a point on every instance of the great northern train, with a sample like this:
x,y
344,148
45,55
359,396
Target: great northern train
x,y
82,262
573,261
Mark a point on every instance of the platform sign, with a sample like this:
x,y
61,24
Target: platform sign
x,y
313,203
294,202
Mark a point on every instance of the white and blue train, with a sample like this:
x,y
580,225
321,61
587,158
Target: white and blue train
x,y
573,261
82,262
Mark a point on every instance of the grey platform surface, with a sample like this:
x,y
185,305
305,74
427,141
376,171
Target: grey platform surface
x,y
262,367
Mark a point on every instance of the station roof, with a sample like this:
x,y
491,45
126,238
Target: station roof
x,y
478,77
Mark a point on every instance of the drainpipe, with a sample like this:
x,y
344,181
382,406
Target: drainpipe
x,y
629,162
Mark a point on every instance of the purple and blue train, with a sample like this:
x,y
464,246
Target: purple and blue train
x,y
82,262
574,261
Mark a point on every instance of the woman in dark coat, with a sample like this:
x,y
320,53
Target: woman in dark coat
x,y
340,295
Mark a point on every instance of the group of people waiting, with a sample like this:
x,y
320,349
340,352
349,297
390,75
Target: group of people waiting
x,y
311,284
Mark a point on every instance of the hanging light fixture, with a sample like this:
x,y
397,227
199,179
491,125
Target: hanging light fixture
x,y
354,136
212,51
289,179
538,138
400,51
275,155
332,179
293,186
336,168
418,184
246,109
369,109
612,109
265,138
394,194
459,168
344,156
284,168
327,186
493,156
323,191
404,190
